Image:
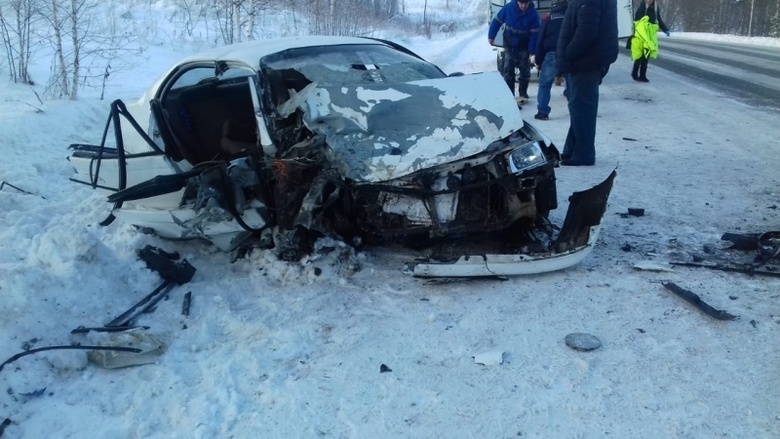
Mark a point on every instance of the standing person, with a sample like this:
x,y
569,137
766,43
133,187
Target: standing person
x,y
521,29
644,43
545,57
587,45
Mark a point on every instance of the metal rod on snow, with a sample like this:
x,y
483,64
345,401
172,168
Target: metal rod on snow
x,y
142,306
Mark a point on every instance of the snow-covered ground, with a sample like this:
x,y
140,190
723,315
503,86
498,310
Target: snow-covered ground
x,y
273,349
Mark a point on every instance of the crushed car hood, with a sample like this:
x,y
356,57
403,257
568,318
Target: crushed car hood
x,y
379,132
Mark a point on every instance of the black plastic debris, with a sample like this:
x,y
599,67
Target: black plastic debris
x,y
3,426
383,369
696,301
636,211
580,341
185,305
34,393
173,271
166,264
741,241
768,246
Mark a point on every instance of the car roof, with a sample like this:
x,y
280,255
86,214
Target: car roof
x,y
250,52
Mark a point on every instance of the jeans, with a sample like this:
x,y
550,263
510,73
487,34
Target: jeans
x,y
516,59
546,78
583,109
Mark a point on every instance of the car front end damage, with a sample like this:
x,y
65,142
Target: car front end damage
x,y
443,169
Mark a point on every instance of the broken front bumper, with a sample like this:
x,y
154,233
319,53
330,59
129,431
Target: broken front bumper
x,y
578,235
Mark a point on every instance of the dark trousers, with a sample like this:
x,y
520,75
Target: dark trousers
x,y
583,110
516,59
640,68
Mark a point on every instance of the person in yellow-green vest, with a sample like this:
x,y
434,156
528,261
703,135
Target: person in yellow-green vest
x,y
644,43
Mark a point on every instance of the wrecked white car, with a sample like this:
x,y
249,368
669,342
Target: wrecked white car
x,y
277,143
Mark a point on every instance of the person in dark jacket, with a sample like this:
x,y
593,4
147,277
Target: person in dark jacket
x,y
521,29
587,45
545,57
648,7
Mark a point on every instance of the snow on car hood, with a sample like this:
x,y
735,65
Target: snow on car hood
x,y
379,132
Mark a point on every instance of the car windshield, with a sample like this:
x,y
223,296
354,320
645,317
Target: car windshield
x,y
352,64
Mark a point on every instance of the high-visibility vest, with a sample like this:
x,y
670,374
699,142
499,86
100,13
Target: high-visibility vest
x,y
644,42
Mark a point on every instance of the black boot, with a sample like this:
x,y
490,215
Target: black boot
x,y
643,71
635,71
522,91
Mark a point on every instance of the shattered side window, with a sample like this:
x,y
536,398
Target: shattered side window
x,y
353,64
192,77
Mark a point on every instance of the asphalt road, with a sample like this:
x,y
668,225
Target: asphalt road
x,y
748,73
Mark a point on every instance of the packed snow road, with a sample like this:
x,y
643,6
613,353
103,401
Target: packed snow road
x,y
340,346
748,73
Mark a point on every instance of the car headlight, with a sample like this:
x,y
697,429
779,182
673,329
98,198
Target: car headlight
x,y
526,157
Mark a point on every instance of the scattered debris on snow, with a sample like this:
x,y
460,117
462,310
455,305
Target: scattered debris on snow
x,y
150,349
580,341
491,358
653,266
696,301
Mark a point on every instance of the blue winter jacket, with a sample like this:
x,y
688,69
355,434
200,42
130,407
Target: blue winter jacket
x,y
520,28
589,36
549,32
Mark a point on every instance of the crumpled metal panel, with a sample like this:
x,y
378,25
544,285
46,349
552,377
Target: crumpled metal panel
x,y
380,132
576,240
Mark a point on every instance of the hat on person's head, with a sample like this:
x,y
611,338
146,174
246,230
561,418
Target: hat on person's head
x,y
524,1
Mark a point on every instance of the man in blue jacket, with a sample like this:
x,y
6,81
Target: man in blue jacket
x,y
587,46
521,28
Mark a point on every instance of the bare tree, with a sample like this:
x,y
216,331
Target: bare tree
x,y
59,75
87,46
194,11
17,18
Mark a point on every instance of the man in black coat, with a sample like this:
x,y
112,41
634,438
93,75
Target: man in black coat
x,y
587,46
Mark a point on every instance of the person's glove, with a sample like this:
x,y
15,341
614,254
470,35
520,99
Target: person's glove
x,y
668,34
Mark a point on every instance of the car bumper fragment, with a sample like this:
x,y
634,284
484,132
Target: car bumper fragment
x,y
574,243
